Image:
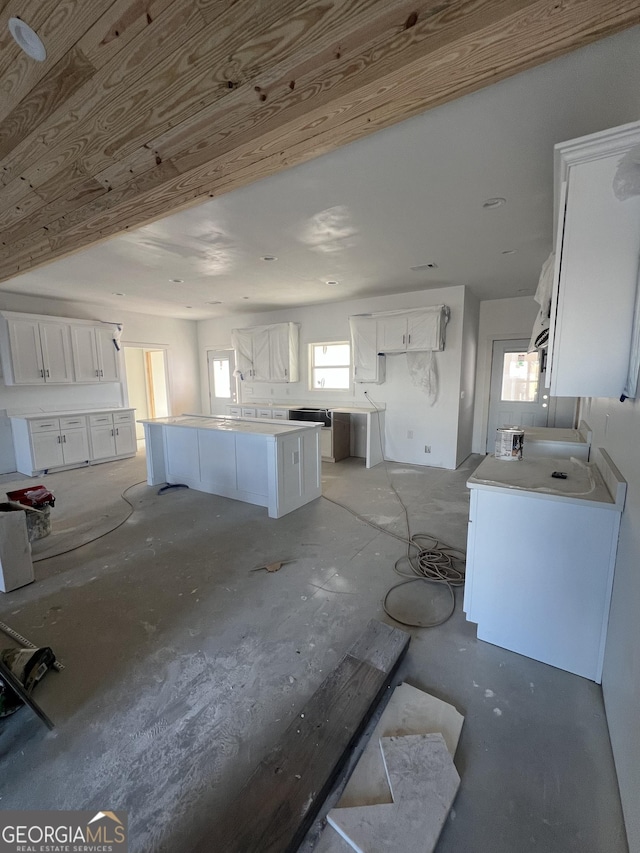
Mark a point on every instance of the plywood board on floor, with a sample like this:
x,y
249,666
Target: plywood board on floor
x,y
280,800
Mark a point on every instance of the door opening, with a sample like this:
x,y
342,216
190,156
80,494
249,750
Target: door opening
x,y
147,383
223,385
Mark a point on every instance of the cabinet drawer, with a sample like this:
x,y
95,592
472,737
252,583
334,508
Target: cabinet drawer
x,y
264,413
73,422
48,425
281,414
123,417
100,420
235,411
248,412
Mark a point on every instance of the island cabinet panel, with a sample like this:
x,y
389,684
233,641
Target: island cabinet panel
x,y
183,456
217,452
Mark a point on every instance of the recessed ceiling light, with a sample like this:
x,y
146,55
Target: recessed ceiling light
x,y
188,306
115,293
27,39
332,282
422,267
214,302
268,258
490,203
177,280
522,290
245,297
509,252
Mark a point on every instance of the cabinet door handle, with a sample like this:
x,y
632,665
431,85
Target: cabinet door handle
x,y
403,337
59,442
42,373
117,430
112,433
101,373
285,371
97,373
64,439
47,372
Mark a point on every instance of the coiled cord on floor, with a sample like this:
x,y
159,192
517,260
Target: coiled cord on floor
x,y
429,559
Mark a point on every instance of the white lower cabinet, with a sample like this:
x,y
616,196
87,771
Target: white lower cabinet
x,y
73,440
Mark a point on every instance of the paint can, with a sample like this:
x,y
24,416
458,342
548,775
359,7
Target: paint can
x,y
509,442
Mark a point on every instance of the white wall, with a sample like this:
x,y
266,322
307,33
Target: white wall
x,y
407,407
179,335
467,376
137,384
616,427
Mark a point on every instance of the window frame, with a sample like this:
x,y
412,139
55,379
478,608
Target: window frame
x,y
313,366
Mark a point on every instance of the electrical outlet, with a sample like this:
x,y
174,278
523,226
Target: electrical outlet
x,y
409,433
427,448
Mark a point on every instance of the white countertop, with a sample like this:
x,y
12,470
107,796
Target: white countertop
x,y
70,413
533,476
553,434
348,409
253,426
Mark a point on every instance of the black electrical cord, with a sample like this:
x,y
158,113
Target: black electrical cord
x,y
123,495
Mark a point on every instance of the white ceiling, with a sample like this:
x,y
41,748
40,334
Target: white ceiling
x,y
365,214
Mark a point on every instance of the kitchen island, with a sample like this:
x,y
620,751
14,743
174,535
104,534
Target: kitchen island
x,y
541,554
275,465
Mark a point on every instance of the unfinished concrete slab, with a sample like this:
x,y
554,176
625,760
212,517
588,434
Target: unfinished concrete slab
x,y
410,712
184,668
423,782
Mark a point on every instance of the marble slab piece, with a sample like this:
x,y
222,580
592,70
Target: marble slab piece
x,y
423,782
410,712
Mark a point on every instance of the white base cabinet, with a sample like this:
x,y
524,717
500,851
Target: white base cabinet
x,y
44,444
540,564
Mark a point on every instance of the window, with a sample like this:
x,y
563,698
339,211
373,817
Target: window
x,y
520,375
330,366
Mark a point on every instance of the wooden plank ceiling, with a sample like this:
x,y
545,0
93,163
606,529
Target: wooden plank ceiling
x,y
145,107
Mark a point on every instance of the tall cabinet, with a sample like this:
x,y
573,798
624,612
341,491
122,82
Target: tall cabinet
x,y
596,268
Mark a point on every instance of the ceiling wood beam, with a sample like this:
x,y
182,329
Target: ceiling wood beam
x,y
242,90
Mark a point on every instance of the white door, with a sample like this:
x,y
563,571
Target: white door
x,y
75,446
56,352
125,435
85,357
517,395
47,450
26,352
103,444
108,355
222,383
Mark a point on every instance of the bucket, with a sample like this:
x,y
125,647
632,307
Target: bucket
x,y
509,441
38,520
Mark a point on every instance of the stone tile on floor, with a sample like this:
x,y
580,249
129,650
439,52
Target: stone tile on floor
x,y
423,782
410,712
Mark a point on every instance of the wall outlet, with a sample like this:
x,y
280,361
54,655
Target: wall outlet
x,y
409,433
427,448
248,391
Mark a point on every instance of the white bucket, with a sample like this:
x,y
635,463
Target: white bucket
x,y
509,441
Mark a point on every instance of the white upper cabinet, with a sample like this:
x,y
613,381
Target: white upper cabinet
x,y
35,353
267,353
368,365
56,352
417,330
95,357
37,349
596,273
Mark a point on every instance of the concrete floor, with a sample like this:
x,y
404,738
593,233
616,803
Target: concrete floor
x,y
183,666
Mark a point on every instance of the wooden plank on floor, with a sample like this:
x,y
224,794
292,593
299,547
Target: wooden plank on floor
x,y
281,799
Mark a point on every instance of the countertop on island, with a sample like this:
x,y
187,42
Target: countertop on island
x,y
252,426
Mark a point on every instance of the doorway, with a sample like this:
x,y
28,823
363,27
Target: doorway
x,y
223,385
147,383
517,396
